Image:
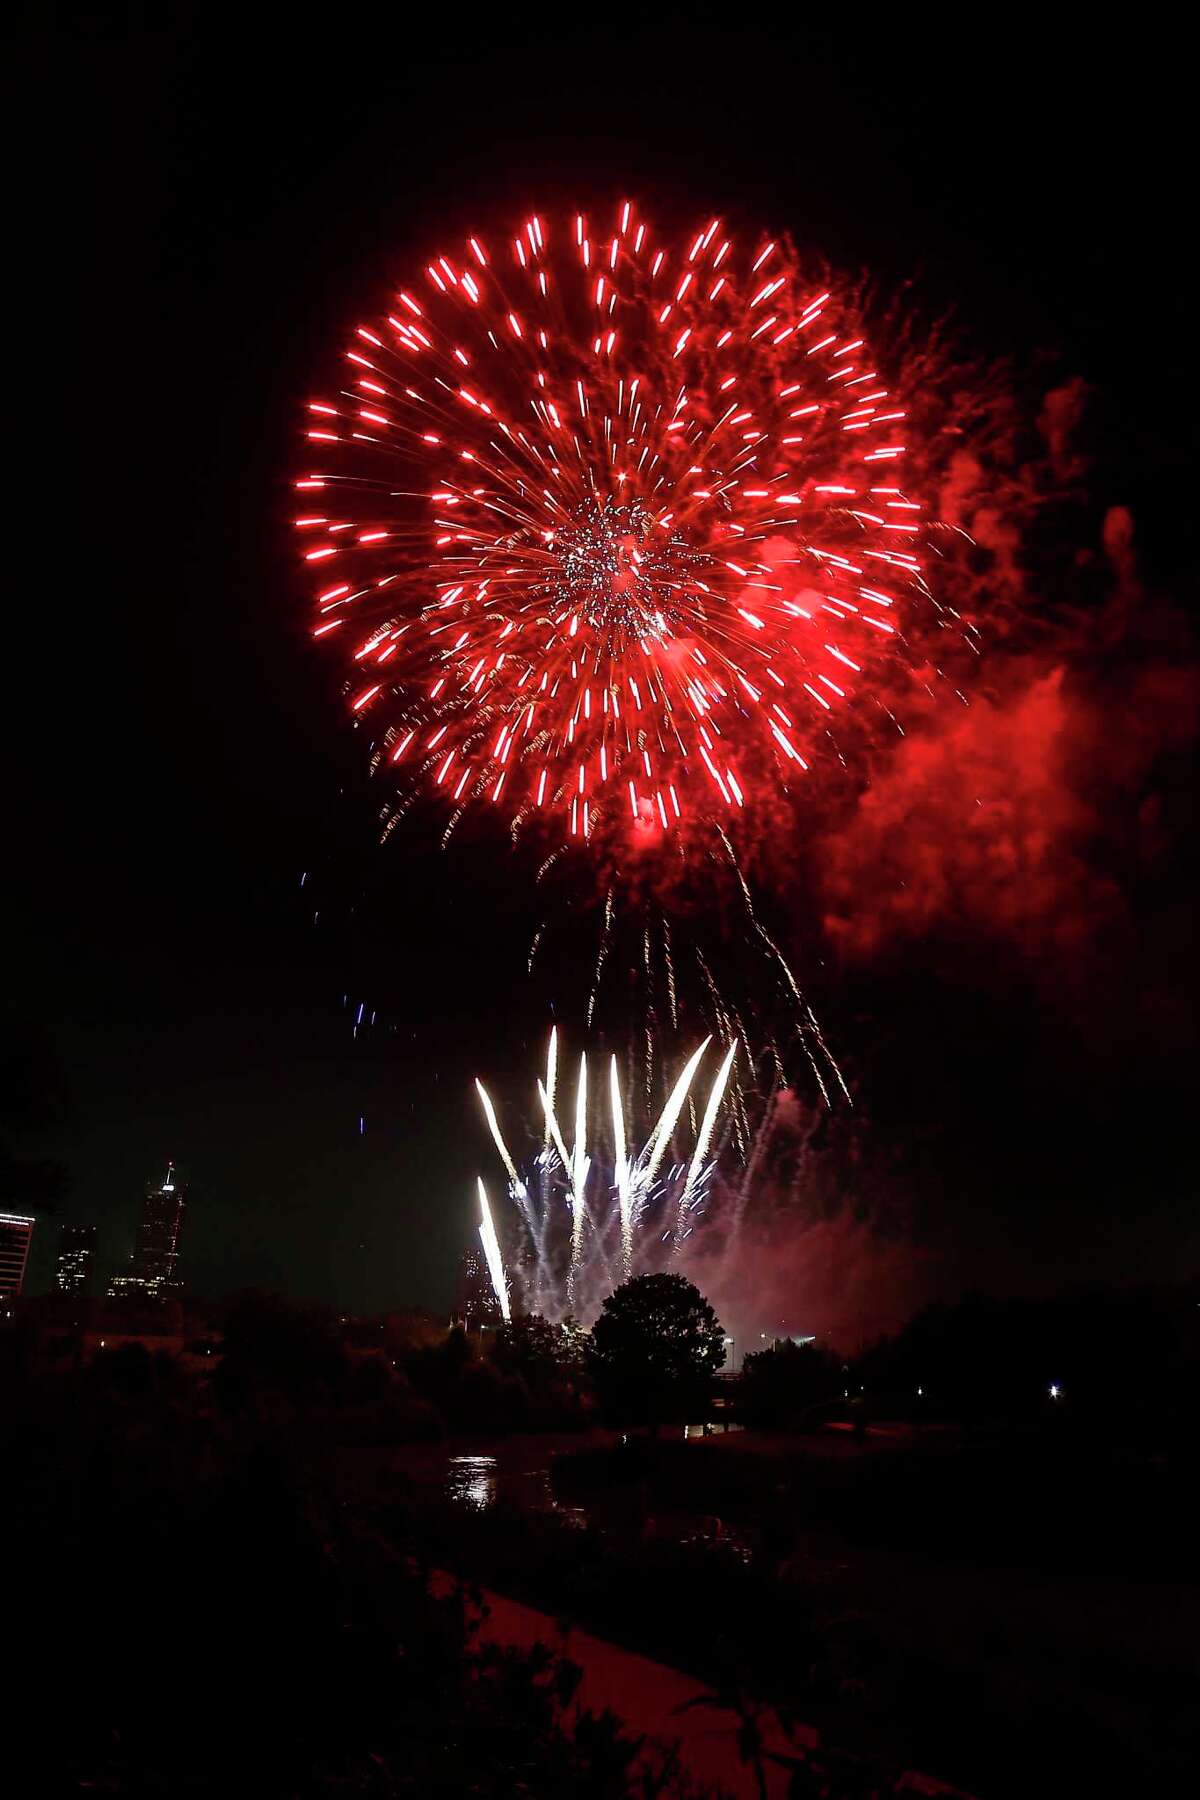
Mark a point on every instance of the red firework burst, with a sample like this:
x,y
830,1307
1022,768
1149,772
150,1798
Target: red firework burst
x,y
610,529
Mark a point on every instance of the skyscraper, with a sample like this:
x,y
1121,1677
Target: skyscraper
x,y
16,1229
151,1271
76,1259
474,1298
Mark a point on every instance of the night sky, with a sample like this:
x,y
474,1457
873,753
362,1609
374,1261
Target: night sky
x,y
207,205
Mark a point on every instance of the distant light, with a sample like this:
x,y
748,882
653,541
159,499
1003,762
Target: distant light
x,y
920,1392
1055,1390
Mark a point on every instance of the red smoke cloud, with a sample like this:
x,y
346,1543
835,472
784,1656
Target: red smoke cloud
x,y
1024,814
814,1240
838,1278
977,823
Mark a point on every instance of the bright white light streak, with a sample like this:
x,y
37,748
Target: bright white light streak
x,y
621,1169
706,1131
491,1251
552,1127
656,1148
551,1078
579,1162
497,1138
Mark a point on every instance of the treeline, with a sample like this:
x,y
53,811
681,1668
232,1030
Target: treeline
x,y
1126,1360
402,1378
1094,1360
650,1359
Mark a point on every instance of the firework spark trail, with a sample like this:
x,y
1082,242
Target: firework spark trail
x,y
610,529
491,1251
702,1142
552,1126
669,964
809,1021
621,1169
494,1128
517,1187
656,1148
579,1165
551,1078
761,1139
727,1033
648,1033
601,955
739,1108
605,1242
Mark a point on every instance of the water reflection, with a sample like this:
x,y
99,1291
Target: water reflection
x,y
477,1482
471,1481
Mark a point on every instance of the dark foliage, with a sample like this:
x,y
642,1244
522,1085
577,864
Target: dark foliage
x,y
548,1360
983,1616
789,1384
210,1618
654,1350
288,1366
1128,1355
468,1389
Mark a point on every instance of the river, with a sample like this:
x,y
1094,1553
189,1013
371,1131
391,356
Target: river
x,y
478,1472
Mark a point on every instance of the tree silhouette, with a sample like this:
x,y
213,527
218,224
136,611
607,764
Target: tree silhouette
x,y
780,1383
655,1349
529,1347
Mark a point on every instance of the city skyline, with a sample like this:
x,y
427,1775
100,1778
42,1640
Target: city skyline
x,y
151,1270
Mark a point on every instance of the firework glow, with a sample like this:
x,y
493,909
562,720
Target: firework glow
x,y
588,1218
609,528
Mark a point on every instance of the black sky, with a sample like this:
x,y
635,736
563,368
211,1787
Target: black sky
x,y
206,202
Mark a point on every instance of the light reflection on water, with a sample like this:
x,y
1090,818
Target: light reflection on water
x,y
477,1482
471,1481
